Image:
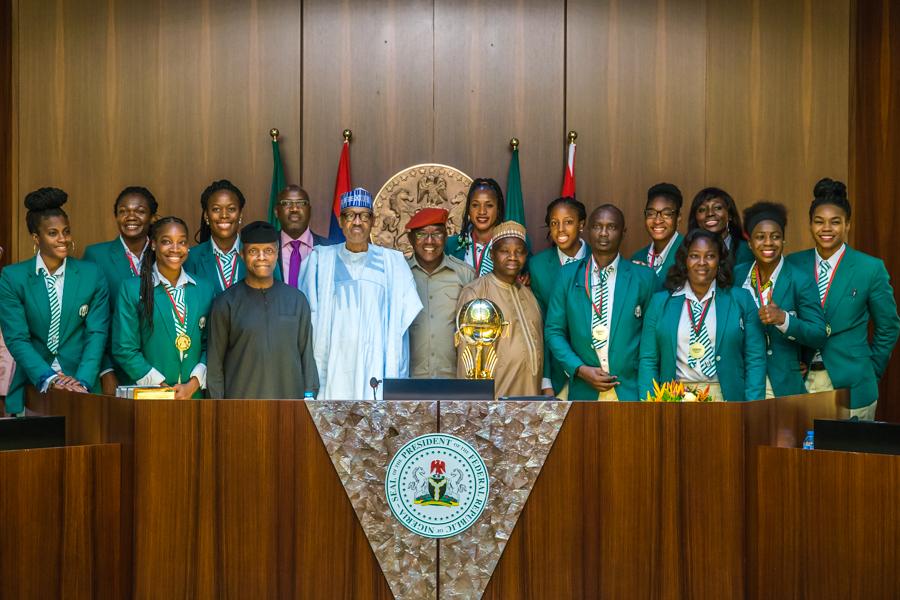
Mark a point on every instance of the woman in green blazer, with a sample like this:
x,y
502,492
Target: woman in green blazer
x,y
159,329
785,298
565,220
484,210
54,310
662,216
701,330
854,290
714,210
217,258
120,259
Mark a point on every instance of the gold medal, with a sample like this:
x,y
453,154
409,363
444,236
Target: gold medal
x,y
182,342
600,333
697,350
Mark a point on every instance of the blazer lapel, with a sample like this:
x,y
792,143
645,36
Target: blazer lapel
x,y
119,260
785,281
623,296
672,318
162,306
71,297
583,304
723,308
840,285
36,288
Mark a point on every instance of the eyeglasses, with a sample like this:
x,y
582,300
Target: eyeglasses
x,y
364,217
289,204
666,213
434,235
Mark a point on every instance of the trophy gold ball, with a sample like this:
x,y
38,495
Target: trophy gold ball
x,y
479,324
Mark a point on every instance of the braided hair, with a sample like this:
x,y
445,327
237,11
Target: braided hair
x,y
204,233
570,202
44,203
146,296
480,184
136,190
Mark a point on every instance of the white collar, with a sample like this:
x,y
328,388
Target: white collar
x,y
39,265
234,248
128,250
773,278
610,268
668,247
688,292
835,258
183,278
563,257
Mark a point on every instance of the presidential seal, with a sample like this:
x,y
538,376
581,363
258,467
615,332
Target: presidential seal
x,y
437,485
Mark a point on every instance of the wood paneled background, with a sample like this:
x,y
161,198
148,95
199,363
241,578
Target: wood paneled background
x,y
751,95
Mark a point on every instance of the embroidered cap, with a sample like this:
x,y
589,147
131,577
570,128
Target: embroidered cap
x,y
356,198
508,229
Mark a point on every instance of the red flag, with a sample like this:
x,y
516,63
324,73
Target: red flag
x,y
568,188
341,186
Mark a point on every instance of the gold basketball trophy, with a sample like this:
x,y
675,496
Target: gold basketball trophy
x,y
479,323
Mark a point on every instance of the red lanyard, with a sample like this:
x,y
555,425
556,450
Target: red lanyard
x,y
131,262
830,279
227,282
696,326
477,259
587,289
180,317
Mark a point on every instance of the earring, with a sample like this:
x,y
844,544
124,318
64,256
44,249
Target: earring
x,y
73,246
35,248
207,221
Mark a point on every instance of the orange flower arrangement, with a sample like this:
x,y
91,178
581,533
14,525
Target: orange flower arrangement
x,y
676,391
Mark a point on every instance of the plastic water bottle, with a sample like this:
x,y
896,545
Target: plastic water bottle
x,y
308,395
808,443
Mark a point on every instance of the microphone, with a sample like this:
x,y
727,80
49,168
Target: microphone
x,y
373,383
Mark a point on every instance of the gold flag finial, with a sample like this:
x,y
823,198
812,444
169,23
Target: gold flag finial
x,y
514,143
274,133
348,135
573,135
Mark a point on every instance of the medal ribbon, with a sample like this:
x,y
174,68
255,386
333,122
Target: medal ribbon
x,y
830,279
695,325
134,269
478,259
760,289
230,281
587,290
180,317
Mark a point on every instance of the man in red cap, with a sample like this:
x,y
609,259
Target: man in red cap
x,y
439,279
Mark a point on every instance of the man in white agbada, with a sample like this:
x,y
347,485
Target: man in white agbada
x,y
363,299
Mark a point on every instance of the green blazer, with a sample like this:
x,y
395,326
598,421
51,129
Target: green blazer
x,y
201,264
641,258
545,268
138,347
113,263
795,292
567,329
740,344
860,292
740,251
25,322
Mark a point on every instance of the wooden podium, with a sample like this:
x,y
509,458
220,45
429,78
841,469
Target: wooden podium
x,y
213,499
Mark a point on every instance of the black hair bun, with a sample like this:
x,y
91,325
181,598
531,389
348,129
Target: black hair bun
x,y
829,188
45,199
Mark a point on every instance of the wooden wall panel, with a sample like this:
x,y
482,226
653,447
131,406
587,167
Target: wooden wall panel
x,y
367,66
6,133
875,155
499,73
65,540
635,93
777,98
170,95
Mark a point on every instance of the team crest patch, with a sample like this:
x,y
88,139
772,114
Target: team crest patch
x,y
202,322
437,485
83,311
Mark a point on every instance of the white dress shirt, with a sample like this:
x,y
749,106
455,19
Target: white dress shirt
x,y
565,259
682,371
611,269
833,263
59,284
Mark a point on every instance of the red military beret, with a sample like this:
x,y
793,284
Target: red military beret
x,y
428,216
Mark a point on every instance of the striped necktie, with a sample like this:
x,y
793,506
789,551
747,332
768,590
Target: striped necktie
x,y
179,311
599,294
226,263
486,265
55,311
706,363
824,269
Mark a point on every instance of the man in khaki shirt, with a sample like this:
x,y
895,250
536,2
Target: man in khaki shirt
x,y
439,279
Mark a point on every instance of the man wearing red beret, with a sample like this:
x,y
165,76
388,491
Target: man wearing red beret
x,y
439,278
